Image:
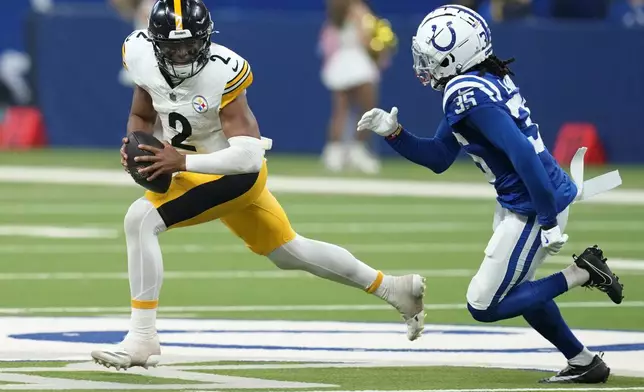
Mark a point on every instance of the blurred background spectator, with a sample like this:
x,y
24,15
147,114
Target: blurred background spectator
x,y
135,12
575,9
501,10
629,13
356,45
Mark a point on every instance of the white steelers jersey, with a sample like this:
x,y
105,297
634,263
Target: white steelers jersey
x,y
189,112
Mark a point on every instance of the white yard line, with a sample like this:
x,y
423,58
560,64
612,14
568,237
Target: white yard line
x,y
585,389
56,232
302,185
355,228
19,207
634,268
380,248
234,274
616,264
396,248
433,227
286,308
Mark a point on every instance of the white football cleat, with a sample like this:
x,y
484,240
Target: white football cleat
x,y
131,352
406,294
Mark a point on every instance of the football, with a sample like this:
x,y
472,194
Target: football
x,y
162,183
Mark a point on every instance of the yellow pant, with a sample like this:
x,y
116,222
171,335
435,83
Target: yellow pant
x,y
242,202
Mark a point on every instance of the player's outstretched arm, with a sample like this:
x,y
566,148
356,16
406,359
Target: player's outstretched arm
x,y
437,153
246,151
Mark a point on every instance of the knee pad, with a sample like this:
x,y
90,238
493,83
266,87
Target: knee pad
x,y
479,295
142,216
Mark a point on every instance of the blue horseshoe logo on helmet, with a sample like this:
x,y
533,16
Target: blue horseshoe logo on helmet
x,y
452,42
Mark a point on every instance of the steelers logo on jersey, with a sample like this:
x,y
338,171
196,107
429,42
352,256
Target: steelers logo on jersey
x,y
199,104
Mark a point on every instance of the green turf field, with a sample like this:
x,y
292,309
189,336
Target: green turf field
x,y
210,274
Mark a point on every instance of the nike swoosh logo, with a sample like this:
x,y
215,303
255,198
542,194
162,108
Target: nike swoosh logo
x,y
566,378
236,67
557,377
463,92
608,280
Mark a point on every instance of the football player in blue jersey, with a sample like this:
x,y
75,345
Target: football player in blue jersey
x,y
486,116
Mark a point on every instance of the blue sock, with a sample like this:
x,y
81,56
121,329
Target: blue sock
x,y
523,297
548,322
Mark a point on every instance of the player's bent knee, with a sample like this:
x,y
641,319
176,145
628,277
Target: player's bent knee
x,y
142,215
487,315
479,296
479,302
283,258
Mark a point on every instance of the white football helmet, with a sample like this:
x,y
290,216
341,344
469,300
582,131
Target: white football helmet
x,y
450,40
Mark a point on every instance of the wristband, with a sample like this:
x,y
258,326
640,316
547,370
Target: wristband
x,y
395,134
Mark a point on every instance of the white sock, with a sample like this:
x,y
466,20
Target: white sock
x,y
384,289
584,358
575,276
327,261
143,323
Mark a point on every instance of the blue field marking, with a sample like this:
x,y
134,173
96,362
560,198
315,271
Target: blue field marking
x,y
115,337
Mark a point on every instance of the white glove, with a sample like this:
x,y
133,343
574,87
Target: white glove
x,y
553,240
379,121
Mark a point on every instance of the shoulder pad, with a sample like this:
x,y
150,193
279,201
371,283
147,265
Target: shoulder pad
x,y
465,92
237,73
135,47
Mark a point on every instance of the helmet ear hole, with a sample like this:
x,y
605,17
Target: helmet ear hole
x,y
445,63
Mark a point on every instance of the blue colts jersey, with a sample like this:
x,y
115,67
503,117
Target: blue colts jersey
x,y
489,140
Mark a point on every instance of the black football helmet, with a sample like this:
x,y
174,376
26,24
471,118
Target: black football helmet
x,y
180,31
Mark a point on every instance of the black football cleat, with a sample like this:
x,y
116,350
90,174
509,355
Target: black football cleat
x,y
595,373
601,277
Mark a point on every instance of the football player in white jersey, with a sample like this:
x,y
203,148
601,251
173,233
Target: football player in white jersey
x,y
215,151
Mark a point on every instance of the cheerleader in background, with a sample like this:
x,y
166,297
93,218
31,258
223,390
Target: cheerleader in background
x,y
356,46
136,10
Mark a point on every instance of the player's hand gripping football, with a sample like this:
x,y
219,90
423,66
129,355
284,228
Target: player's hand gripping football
x,y
124,155
166,160
379,121
553,240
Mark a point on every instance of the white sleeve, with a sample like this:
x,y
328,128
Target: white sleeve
x,y
245,155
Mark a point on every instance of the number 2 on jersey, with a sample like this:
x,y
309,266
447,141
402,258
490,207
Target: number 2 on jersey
x,y
186,131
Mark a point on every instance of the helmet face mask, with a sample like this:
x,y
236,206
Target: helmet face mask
x,y
182,58
422,64
181,53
